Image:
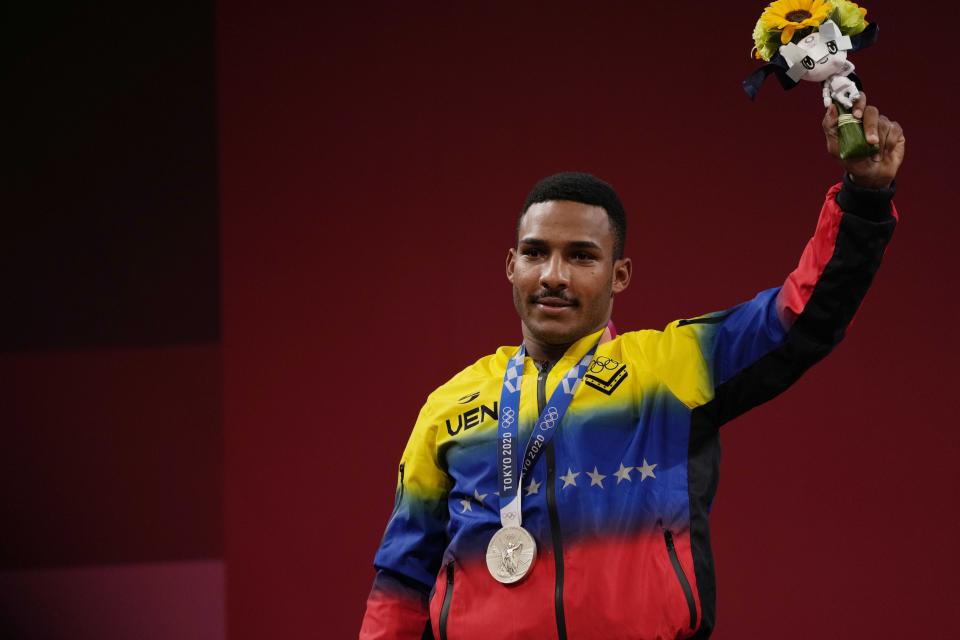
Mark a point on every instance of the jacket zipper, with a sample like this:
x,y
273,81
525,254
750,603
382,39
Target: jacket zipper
x,y
555,533
681,577
447,598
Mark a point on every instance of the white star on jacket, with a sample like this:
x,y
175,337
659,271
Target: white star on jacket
x,y
623,473
466,505
646,471
596,478
479,496
533,487
570,479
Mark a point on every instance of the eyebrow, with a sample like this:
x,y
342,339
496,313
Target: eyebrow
x,y
576,244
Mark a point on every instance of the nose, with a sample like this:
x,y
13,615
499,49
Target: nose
x,y
555,274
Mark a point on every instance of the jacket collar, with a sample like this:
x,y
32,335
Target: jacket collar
x,y
573,354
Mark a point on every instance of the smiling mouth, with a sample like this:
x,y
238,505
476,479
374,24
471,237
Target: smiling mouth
x,y
553,303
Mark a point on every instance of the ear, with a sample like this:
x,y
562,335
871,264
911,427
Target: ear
x,y
511,263
622,272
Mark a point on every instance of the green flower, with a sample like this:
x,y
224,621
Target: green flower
x,y
849,16
766,43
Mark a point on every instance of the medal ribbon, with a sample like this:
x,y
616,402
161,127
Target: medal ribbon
x,y
512,470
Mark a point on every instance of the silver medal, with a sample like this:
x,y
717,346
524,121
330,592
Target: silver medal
x,y
511,554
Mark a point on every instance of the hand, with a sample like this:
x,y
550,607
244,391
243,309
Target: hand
x,y
879,170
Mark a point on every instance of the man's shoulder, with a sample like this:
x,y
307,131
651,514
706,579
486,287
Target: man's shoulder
x,y
472,379
655,348
641,340
685,327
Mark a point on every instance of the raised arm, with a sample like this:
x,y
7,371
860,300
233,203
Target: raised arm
x,y
753,351
410,554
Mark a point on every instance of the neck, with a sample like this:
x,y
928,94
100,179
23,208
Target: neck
x,y
547,352
543,352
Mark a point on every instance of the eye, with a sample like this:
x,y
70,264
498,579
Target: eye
x,y
532,252
583,256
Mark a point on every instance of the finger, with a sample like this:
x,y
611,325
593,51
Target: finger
x,y
830,119
860,105
883,132
893,146
900,151
870,118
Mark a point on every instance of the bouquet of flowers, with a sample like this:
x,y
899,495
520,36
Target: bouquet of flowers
x,y
809,40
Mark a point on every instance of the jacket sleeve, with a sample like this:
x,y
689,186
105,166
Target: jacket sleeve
x,y
410,553
755,350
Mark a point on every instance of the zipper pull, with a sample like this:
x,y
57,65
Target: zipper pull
x,y
668,536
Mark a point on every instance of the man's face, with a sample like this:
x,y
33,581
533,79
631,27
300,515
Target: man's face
x,y
563,272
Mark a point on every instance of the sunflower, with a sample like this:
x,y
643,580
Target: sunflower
x,y
788,16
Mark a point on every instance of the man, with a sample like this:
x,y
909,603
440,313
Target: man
x,y
591,520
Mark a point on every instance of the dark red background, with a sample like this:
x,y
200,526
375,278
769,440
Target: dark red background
x,y
111,475
372,160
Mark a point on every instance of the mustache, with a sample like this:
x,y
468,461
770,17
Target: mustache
x,y
554,293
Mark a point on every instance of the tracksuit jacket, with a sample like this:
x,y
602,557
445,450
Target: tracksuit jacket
x,y
618,503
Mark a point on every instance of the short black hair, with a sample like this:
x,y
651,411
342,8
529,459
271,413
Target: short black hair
x,y
586,189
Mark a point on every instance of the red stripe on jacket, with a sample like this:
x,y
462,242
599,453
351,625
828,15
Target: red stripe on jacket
x,y
801,282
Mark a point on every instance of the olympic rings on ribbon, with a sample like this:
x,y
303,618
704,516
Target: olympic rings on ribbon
x,y
550,417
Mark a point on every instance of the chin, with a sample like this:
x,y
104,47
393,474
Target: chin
x,y
557,333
